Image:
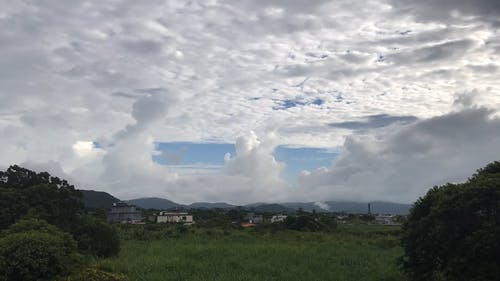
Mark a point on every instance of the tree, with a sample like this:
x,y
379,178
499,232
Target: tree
x,y
453,232
27,193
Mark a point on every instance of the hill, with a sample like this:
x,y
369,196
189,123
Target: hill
x,y
377,207
270,208
208,205
97,199
154,203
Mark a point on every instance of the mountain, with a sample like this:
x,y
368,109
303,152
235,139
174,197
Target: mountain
x,y
390,208
362,208
97,199
208,205
154,203
269,208
377,207
306,207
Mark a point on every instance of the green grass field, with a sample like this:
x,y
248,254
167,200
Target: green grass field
x,y
352,253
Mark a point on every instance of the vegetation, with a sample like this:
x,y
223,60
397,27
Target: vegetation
x,y
453,232
26,193
96,237
92,274
41,217
313,223
364,253
34,250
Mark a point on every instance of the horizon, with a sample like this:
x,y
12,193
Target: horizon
x,y
252,203
236,101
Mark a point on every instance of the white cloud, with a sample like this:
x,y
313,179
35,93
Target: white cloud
x,y
402,162
97,71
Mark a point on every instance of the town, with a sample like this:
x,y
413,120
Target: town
x,y
124,213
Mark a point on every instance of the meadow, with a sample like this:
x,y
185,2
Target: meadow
x,y
349,253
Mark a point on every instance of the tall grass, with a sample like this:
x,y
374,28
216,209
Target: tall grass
x,y
211,254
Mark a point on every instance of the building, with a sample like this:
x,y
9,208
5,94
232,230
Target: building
x,y
385,219
278,218
121,212
173,217
253,218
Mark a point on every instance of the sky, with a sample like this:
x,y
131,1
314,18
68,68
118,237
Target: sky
x,y
251,101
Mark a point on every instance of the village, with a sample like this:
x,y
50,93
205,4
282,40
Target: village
x,y
124,213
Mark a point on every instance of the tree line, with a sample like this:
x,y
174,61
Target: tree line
x,y
45,231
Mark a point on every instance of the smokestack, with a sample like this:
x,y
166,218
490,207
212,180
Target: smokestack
x,y
369,209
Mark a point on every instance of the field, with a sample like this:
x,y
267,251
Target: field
x,y
351,253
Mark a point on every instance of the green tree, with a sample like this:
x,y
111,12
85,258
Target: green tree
x,y
27,193
453,232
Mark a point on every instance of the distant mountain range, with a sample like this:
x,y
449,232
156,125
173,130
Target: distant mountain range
x,y
99,199
208,205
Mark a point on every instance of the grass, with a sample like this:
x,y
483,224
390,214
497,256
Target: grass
x,y
349,254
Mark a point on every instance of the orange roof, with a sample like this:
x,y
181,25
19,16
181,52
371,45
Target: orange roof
x,y
247,224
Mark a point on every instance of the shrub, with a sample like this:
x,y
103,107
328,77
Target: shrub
x,y
310,223
452,233
34,250
96,237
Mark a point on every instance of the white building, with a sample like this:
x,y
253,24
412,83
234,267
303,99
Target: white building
x,y
385,219
278,218
166,217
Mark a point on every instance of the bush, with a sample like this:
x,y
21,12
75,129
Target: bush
x,y
96,237
310,223
34,250
452,233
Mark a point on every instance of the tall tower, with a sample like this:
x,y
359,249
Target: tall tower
x,y
369,209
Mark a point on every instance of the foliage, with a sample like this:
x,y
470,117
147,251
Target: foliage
x,y
92,274
27,193
34,250
307,222
96,237
453,232
148,232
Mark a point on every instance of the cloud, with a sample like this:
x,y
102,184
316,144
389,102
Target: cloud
x,y
373,121
402,162
97,71
435,53
450,10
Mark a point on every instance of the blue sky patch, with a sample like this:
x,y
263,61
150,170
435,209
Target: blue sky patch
x,y
184,154
290,103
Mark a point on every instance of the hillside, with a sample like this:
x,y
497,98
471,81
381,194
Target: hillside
x,y
270,208
154,203
362,208
97,199
208,205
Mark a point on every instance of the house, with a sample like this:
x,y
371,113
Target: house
x,y
247,224
121,212
253,218
385,219
174,217
278,218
